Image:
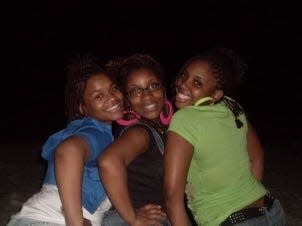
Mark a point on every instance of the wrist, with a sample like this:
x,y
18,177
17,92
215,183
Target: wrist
x,y
131,218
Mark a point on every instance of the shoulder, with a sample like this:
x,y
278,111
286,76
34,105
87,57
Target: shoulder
x,y
136,130
186,115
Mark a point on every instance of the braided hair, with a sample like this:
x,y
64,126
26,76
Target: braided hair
x,y
79,70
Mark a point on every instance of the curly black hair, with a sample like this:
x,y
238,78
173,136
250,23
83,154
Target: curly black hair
x,y
79,70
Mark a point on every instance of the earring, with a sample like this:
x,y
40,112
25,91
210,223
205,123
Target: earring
x,y
165,120
130,118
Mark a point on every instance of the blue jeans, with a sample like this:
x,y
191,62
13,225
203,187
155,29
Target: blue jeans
x,y
112,218
274,217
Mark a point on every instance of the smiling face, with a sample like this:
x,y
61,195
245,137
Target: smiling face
x,y
195,82
102,99
149,103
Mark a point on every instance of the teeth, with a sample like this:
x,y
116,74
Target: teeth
x,y
151,106
183,96
114,108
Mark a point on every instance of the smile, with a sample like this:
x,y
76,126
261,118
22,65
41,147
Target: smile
x,y
114,108
182,97
150,107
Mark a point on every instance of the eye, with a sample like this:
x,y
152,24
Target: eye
x,y
99,96
197,83
135,92
182,75
114,88
155,86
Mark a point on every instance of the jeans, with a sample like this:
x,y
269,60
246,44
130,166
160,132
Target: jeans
x,y
274,217
29,222
112,218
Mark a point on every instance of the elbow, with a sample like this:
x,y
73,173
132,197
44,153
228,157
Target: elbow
x,y
170,198
104,163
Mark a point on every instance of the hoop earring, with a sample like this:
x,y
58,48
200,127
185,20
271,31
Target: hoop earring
x,y
132,117
165,120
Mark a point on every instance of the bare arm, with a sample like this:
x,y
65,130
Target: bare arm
x,y
70,157
256,153
177,159
113,170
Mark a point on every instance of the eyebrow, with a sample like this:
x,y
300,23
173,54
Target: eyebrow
x,y
151,81
94,91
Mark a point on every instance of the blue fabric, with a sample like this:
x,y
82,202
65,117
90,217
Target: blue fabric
x,y
112,218
98,135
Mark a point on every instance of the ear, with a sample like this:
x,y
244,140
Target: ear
x,y
82,109
217,95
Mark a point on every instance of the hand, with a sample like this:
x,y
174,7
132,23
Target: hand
x,y
86,222
149,214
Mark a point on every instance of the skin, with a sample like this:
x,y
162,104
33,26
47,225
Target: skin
x,y
135,141
102,101
196,82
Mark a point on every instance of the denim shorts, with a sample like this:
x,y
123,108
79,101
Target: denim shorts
x,y
112,218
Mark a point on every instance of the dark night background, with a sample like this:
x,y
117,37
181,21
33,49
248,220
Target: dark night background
x,y
38,38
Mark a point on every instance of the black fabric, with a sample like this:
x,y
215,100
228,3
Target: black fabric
x,y
245,214
145,171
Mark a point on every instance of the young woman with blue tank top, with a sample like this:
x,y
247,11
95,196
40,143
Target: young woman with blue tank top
x,y
72,192
212,152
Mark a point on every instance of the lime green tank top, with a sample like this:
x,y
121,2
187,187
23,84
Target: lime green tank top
x,y
219,180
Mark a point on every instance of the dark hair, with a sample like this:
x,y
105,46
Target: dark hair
x,y
124,66
79,70
227,67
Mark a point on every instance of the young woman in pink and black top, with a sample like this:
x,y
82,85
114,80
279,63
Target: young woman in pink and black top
x,y
135,159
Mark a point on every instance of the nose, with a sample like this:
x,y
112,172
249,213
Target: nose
x,y
182,83
147,94
112,97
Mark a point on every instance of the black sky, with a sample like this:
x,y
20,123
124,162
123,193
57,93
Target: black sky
x,y
38,38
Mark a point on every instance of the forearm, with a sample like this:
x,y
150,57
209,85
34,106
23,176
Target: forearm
x,y
255,152
114,178
257,168
176,212
69,164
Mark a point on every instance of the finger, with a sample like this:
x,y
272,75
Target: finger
x,y
152,215
151,206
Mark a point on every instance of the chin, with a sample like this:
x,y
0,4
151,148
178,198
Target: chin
x,y
117,116
153,116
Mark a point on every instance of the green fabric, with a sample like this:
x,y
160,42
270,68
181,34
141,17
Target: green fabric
x,y
219,181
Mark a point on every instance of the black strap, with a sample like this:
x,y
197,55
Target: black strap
x,y
156,135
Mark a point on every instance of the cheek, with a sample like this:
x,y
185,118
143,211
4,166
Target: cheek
x,y
119,95
197,94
